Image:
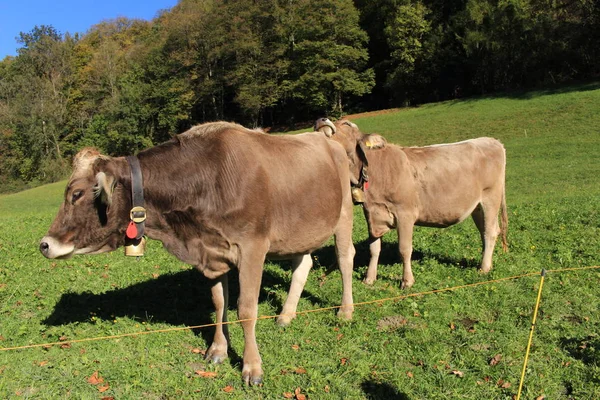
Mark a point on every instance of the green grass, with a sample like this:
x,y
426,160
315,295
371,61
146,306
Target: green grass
x,y
404,349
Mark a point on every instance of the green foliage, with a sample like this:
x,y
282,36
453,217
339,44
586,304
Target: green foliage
x,y
128,84
468,343
328,54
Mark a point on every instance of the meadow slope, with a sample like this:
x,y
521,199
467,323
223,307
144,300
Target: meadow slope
x,y
467,343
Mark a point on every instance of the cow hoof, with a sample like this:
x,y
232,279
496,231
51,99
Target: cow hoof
x,y
484,271
406,285
215,356
345,314
368,281
285,320
254,378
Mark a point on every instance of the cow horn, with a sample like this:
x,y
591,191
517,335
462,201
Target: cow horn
x,y
326,126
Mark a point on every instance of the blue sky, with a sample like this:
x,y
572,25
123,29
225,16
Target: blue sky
x,y
67,16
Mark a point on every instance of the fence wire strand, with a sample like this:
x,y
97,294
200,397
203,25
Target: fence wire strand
x,y
378,301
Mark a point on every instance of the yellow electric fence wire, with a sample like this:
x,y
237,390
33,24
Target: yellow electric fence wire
x,y
535,312
396,298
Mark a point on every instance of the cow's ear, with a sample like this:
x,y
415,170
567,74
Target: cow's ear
x,y
374,141
104,188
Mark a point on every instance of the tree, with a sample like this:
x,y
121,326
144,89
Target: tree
x,y
407,36
327,53
256,47
39,83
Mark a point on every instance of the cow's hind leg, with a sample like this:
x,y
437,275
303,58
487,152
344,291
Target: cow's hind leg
x,y
405,237
300,268
374,250
217,352
250,272
485,216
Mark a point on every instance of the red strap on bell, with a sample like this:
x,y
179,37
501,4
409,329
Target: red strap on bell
x,y
131,231
366,185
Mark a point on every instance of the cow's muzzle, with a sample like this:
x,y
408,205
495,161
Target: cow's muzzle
x,y
52,248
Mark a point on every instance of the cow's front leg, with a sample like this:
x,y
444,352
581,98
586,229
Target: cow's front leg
x,y
250,270
344,248
300,268
405,234
374,250
217,352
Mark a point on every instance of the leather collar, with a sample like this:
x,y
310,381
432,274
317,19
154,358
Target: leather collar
x,y
138,212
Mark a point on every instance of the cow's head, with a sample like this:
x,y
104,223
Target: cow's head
x,y
354,142
93,216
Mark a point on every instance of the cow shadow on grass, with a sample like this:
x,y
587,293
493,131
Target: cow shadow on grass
x,y
182,298
390,255
179,299
382,391
583,349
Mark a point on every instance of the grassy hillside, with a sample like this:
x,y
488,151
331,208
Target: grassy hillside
x,y
468,343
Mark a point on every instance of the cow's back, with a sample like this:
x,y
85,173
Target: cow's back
x,y
307,175
439,184
287,188
460,171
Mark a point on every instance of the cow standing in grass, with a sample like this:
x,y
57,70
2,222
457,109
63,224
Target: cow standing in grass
x,y
436,186
218,196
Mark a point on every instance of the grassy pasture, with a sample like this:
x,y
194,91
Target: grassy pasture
x,y
468,343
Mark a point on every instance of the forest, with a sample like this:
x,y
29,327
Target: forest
x,y
126,84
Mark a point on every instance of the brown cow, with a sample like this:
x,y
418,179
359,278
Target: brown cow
x,y
435,186
218,196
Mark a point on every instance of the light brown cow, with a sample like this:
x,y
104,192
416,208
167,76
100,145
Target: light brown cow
x,y
218,196
434,186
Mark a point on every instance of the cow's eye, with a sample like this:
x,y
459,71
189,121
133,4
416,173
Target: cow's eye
x,y
76,196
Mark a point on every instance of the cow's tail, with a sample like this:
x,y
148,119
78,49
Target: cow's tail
x,y
504,220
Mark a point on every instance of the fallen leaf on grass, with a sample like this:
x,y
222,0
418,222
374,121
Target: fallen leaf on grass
x,y
206,374
295,347
228,389
103,389
198,351
409,374
42,363
458,373
504,385
108,398
288,395
299,395
542,397
344,361
300,370
95,379
496,359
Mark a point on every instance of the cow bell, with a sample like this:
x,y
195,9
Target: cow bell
x,y
358,196
135,247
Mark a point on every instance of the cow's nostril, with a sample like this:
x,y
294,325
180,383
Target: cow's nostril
x,y
44,247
